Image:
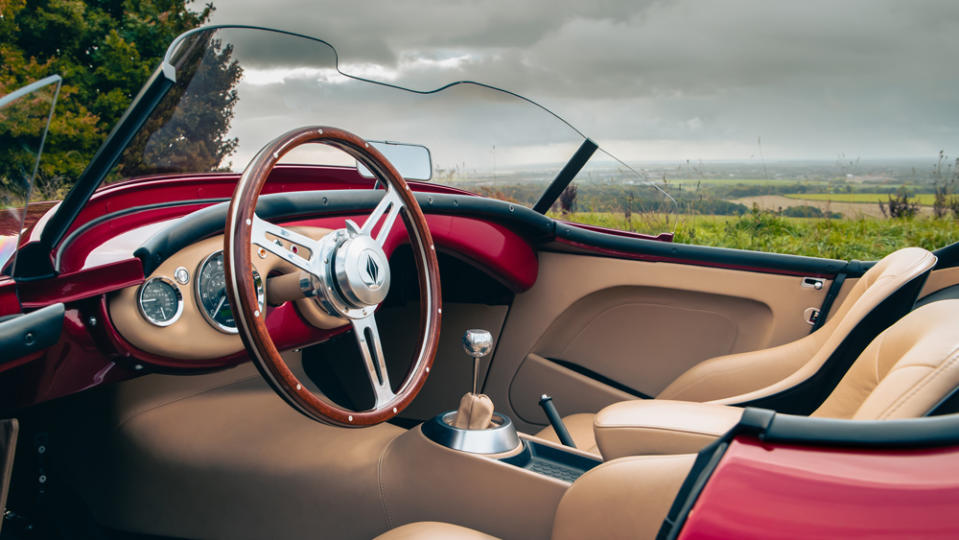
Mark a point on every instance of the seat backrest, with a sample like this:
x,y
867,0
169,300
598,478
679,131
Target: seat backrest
x,y
745,377
905,372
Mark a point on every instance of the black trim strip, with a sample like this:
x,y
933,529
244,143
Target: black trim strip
x,y
948,256
535,227
758,260
565,176
120,213
586,372
28,333
827,302
807,396
752,422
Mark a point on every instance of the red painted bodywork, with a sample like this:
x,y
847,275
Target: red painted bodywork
x,y
81,284
769,491
92,352
9,304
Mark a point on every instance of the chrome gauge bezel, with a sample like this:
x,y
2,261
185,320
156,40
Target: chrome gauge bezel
x,y
179,302
197,296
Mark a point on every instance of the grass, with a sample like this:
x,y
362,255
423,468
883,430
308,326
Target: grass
x,y
925,199
864,239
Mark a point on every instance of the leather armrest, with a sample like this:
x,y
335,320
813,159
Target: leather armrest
x,y
656,426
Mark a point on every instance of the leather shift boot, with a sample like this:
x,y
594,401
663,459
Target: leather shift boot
x,y
475,412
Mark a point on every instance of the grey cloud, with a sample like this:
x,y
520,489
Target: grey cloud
x,y
867,77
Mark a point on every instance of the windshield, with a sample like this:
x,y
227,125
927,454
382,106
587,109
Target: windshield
x,y
25,116
238,88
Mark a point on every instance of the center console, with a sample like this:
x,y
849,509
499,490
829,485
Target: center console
x,y
493,478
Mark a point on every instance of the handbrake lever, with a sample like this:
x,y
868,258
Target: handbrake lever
x,y
559,427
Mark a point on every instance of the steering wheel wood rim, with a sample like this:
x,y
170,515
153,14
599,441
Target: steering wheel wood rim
x,y
238,248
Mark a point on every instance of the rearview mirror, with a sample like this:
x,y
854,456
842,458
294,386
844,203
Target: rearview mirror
x,y
412,161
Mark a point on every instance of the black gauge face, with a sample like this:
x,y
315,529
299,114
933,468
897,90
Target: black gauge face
x,y
211,293
160,301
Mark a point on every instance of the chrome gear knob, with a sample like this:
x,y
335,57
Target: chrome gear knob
x,y
477,343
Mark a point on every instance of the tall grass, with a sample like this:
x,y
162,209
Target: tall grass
x,y
865,239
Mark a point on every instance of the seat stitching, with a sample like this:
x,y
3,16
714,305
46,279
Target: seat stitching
x,y
379,481
882,338
951,358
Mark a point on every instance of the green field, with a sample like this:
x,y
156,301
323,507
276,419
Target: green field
x,y
925,199
747,181
864,239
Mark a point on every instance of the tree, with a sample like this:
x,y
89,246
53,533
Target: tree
x,y
567,199
187,131
104,50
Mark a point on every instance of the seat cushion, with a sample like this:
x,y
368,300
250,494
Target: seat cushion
x,y
580,427
658,426
433,529
905,372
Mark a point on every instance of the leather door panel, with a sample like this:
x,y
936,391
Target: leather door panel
x,y
637,323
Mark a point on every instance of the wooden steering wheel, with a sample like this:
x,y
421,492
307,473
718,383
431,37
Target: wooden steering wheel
x,y
346,271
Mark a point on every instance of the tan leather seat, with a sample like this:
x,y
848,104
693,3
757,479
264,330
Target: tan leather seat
x,y
625,498
904,373
743,377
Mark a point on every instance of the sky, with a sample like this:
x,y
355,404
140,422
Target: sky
x,y
660,81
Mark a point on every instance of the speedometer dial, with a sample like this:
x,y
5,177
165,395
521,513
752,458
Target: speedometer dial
x,y
160,301
211,293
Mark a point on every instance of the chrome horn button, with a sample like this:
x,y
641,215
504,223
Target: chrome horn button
x,y
362,271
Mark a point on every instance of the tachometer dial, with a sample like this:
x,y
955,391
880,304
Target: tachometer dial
x,y
160,301
210,285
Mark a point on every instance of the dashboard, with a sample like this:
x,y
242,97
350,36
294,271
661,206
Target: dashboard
x,y
181,310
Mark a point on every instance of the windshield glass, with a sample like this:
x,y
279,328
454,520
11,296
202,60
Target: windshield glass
x,y
238,88
25,115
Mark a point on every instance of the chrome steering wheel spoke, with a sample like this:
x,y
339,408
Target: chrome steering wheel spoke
x,y
371,348
385,212
262,228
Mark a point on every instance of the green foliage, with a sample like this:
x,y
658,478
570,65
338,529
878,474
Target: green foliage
x,y
900,206
804,211
103,49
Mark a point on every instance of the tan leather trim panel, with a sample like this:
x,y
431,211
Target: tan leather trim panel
x,y
571,391
218,456
772,304
627,498
658,426
191,337
620,331
423,481
940,279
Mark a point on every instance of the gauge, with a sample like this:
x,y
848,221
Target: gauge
x,y
210,286
160,301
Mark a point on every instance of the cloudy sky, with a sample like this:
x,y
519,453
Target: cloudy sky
x,y
659,81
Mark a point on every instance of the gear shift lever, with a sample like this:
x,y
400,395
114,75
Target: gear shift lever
x,y
477,343
475,411
474,426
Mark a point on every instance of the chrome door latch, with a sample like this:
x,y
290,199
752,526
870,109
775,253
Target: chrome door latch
x,y
813,283
810,315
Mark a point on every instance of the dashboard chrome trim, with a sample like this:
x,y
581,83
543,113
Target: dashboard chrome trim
x,y
179,301
198,297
